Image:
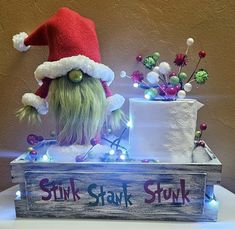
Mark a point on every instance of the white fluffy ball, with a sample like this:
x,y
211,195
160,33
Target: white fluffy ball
x,y
156,69
190,41
164,68
181,94
188,87
153,77
122,74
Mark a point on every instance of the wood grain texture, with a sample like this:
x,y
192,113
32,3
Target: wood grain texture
x,y
213,170
200,177
112,185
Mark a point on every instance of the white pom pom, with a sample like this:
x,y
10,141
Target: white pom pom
x,y
164,68
190,41
122,74
181,94
156,69
188,87
35,101
114,102
153,77
18,42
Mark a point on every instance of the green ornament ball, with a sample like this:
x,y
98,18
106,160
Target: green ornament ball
x,y
174,80
156,56
182,76
201,76
75,76
149,62
152,92
198,134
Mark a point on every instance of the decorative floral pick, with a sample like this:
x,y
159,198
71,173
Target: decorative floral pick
x,y
161,83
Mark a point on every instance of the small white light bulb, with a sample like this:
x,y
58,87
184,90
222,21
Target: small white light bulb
x,y
111,152
128,124
136,85
147,96
45,157
122,157
18,194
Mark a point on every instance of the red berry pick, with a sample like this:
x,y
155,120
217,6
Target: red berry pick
x,y
180,59
139,58
202,54
203,126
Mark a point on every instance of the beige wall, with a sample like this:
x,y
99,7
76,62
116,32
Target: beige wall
x,y
125,29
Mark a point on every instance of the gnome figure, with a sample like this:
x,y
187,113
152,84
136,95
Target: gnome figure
x,y
73,78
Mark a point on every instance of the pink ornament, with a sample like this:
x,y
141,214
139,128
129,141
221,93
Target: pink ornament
x,y
171,91
203,126
178,87
137,76
172,74
202,54
139,58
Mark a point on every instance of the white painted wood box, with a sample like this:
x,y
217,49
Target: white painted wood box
x,y
120,190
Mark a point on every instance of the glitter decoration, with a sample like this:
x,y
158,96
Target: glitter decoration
x,y
202,54
162,83
139,58
149,62
180,59
137,76
201,76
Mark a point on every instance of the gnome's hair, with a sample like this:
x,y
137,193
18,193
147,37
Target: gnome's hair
x,y
79,108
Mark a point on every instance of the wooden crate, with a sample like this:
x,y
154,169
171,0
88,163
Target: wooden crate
x,y
122,190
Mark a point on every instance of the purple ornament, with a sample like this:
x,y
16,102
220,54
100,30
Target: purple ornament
x,y
137,76
139,58
32,139
39,138
33,154
94,141
145,161
81,158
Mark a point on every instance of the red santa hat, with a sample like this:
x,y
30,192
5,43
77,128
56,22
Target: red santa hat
x,y
73,44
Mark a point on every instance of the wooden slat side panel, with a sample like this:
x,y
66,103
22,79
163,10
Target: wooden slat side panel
x,y
213,171
90,194
209,215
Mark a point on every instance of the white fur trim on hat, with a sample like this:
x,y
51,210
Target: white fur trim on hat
x,y
35,101
114,102
18,42
61,67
